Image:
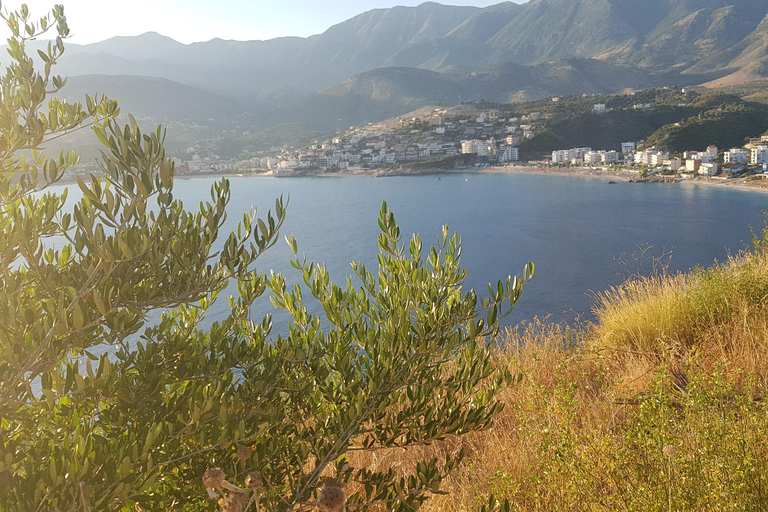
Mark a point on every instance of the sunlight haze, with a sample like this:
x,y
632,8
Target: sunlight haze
x,y
194,20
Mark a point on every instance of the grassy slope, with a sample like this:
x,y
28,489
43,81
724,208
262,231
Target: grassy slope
x,y
677,122
658,406
724,127
606,131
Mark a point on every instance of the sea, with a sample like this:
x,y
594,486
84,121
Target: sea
x,y
584,234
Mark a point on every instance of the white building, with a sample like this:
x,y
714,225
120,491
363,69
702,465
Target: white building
x,y
599,108
508,154
474,146
610,157
651,157
658,158
569,155
628,147
578,152
759,155
736,155
708,169
673,164
593,157
560,156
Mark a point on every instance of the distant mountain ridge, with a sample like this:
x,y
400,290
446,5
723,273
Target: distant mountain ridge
x,y
386,60
703,35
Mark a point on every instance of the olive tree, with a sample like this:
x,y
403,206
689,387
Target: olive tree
x,y
103,409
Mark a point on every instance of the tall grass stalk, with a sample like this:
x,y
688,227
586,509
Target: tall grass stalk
x,y
659,405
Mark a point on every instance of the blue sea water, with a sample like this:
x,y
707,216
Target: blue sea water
x,y
576,230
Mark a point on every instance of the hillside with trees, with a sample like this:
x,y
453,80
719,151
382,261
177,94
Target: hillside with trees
x,y
723,121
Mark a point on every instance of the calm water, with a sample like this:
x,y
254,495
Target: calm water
x,y
573,229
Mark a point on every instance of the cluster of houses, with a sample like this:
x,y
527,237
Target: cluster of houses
x,y
440,133
756,155
579,156
465,129
657,161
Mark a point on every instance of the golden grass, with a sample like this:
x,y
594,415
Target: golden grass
x,y
672,362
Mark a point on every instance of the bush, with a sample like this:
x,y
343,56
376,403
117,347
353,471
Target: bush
x,y
398,360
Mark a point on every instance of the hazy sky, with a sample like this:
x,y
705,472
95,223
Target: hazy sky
x,y
198,20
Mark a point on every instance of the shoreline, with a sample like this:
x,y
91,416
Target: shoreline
x,y
616,175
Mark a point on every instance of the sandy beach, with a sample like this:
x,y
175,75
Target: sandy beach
x,y
617,175
628,176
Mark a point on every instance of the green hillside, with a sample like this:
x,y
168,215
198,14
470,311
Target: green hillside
x,y
669,119
605,131
726,126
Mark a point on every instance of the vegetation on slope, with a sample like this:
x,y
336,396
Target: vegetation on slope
x,y
659,405
606,131
725,126
665,118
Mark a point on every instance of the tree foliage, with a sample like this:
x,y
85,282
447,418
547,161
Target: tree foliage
x,y
102,409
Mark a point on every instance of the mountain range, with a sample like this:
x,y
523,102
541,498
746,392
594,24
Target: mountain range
x,y
386,62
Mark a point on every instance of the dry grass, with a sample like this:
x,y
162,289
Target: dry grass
x,y
674,365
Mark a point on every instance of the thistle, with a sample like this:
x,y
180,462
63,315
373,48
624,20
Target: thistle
x,y
244,453
214,479
235,502
331,497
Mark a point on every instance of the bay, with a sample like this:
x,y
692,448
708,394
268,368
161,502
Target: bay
x,y
576,230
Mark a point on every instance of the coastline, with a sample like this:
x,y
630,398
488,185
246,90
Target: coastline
x,y
616,175
627,176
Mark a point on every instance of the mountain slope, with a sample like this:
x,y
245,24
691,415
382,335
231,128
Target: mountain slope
x,y
721,37
463,47
388,92
652,33
370,67
153,97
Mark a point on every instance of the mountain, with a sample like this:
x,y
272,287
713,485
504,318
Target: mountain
x,y
651,33
463,47
386,62
388,92
153,97
254,72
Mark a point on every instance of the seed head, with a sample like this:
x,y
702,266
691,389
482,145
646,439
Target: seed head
x,y
213,478
253,481
244,453
235,502
331,497
669,451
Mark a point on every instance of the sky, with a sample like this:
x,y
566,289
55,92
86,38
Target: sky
x,y
189,21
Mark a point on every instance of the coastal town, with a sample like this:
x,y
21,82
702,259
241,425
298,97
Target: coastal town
x,y
466,137
428,134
